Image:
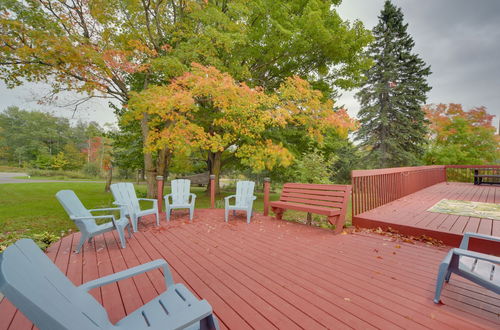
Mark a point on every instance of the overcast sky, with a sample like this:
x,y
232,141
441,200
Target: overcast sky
x,y
460,39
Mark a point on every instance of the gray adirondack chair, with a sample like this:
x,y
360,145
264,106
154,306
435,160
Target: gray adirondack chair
x,y
181,197
31,282
243,199
480,268
85,221
124,194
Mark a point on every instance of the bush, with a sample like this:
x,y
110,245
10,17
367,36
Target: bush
x,y
91,169
58,174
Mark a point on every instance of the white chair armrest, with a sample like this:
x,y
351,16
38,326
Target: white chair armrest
x,y
130,273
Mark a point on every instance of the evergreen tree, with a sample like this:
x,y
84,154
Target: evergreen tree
x,y
393,125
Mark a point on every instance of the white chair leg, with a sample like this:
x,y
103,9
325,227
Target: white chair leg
x,y
226,214
80,244
121,235
249,215
167,213
191,213
134,223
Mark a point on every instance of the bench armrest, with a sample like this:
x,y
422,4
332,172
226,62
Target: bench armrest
x,y
130,273
465,240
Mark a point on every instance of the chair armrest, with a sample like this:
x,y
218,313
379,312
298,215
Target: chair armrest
x,y
93,217
127,273
107,209
148,199
476,255
167,197
465,240
229,197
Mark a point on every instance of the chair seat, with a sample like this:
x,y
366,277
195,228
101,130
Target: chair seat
x,y
481,268
179,206
173,309
145,212
306,208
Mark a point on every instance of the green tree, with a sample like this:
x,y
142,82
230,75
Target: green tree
x,y
393,127
110,48
459,137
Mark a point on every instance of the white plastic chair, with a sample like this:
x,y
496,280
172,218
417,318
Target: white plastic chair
x,y
243,199
180,198
124,194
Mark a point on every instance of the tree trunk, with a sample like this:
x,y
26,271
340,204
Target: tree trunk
x,y
214,167
149,164
109,178
163,162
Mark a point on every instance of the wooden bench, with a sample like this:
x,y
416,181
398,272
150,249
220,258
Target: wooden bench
x,y
325,199
488,173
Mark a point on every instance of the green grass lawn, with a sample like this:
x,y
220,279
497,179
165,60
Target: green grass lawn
x,y
29,209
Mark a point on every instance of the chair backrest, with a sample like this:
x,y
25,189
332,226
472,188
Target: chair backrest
x,y
124,193
181,188
244,192
74,208
31,281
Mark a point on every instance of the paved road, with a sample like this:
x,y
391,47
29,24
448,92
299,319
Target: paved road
x,y
9,177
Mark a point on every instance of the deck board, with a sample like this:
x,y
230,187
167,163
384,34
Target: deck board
x,y
409,214
277,274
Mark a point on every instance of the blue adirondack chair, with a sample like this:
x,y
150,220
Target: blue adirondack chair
x,y
124,194
243,199
480,268
85,221
31,282
181,197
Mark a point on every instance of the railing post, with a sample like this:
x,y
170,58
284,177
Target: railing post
x,y
159,195
212,191
267,188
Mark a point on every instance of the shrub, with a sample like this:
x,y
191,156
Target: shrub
x,y
91,169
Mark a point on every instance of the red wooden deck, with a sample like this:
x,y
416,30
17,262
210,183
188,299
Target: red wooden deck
x,y
276,274
409,214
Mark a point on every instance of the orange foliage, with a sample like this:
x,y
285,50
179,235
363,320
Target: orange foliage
x,y
209,109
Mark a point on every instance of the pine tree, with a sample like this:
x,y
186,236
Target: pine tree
x,y
393,125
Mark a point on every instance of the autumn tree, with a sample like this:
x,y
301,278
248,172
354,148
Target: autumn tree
x,y
461,137
110,48
392,121
209,109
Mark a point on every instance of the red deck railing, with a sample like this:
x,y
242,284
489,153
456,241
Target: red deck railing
x,y
465,173
374,188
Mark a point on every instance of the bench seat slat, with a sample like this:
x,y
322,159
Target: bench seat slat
x,y
311,202
332,193
306,208
306,195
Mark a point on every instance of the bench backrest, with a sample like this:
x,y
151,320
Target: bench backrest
x,y
31,281
325,195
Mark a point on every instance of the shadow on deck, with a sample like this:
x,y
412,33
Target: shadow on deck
x,y
276,274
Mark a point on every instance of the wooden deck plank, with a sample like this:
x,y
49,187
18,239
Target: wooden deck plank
x,y
311,266
277,274
409,214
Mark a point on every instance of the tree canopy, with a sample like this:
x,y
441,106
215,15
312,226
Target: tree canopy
x,y
110,48
461,137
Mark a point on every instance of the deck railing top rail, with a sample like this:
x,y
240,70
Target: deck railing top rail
x,y
374,188
394,170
